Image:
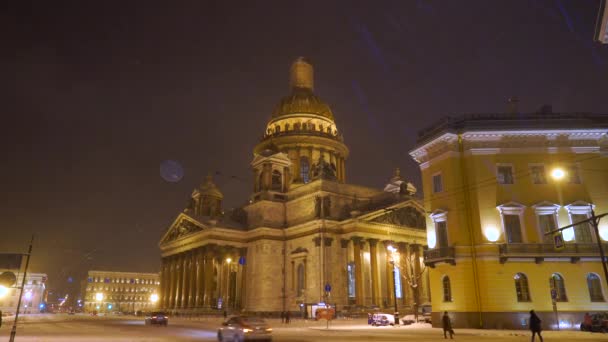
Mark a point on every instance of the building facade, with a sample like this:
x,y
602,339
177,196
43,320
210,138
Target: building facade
x,y
306,235
492,187
34,294
126,292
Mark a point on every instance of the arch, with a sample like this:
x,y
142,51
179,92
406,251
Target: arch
x,y
557,284
521,287
447,289
297,126
277,129
276,184
595,288
301,280
304,169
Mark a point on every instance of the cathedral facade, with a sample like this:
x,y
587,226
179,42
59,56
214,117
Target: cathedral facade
x,y
306,236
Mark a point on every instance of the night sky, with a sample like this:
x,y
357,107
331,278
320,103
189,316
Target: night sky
x,y
98,94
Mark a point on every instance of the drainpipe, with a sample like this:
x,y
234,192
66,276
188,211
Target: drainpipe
x,y
468,213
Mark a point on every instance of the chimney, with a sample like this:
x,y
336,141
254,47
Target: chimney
x,y
513,105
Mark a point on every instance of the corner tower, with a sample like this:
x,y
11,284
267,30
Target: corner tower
x,y
303,128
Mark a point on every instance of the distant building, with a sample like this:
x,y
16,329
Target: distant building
x,y
489,188
34,294
107,291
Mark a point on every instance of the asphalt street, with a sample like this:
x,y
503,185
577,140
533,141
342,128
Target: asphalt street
x,y
55,328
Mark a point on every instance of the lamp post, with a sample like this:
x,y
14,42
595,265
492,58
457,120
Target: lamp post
x,y
393,251
99,299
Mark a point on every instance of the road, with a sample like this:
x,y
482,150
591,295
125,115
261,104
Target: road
x,y
64,328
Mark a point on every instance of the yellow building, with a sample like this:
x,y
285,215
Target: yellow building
x,y
127,292
490,196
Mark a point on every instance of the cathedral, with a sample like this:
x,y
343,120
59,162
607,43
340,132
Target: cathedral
x,y
306,237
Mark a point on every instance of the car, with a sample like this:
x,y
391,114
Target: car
x,y
597,322
157,318
383,319
244,328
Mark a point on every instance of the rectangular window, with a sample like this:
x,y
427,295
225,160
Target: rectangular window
x,y
546,224
573,175
538,175
437,183
441,234
582,232
504,174
512,228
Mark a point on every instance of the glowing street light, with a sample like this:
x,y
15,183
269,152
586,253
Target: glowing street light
x,y
558,173
3,291
99,296
228,260
154,298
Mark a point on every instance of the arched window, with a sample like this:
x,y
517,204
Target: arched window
x,y
556,282
276,181
447,289
277,129
296,126
304,169
329,130
521,287
595,288
301,280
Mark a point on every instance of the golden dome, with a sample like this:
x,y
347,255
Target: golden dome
x,y
302,101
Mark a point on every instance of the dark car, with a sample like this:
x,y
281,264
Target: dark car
x,y
597,322
157,318
244,328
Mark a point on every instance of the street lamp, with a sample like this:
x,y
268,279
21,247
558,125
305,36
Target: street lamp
x,y
558,173
393,252
154,298
99,298
3,291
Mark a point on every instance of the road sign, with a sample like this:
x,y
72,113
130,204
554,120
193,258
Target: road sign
x,y
327,287
558,240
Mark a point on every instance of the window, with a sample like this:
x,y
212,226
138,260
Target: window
x,y
350,269
439,218
437,183
304,169
301,280
397,281
582,231
538,175
521,287
447,289
512,228
276,184
547,223
595,288
573,175
556,283
504,174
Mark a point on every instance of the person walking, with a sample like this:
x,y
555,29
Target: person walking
x,y
282,316
535,325
447,326
287,317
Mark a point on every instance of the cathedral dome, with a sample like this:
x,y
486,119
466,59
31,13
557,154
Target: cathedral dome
x,y
302,101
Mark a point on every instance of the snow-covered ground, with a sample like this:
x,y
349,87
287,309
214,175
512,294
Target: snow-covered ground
x,y
71,328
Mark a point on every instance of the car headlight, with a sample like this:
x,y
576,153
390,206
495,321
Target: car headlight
x,y
269,329
247,330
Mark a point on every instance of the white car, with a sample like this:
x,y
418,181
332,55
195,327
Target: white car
x,y
381,319
243,328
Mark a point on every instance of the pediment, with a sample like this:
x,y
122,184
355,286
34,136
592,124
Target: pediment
x,y
182,226
408,216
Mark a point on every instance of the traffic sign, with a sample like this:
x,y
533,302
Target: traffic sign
x,y
558,240
327,287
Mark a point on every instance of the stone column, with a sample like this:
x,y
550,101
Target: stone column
x,y
208,270
343,170
266,176
357,241
192,269
415,250
390,281
178,281
200,278
242,286
373,258
185,280
163,284
405,288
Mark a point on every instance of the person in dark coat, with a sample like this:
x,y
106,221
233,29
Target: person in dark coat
x,y
535,326
282,316
287,317
447,326
369,318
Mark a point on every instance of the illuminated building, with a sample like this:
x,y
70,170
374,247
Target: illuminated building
x,y
127,292
304,229
601,26
493,185
34,294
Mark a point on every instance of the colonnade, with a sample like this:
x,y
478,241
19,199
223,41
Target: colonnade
x,y
211,276
379,290
313,155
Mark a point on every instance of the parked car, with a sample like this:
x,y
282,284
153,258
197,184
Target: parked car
x,y
383,319
598,322
244,328
156,318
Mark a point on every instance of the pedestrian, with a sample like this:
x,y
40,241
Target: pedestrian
x,y
369,318
535,326
287,317
282,316
225,314
447,326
